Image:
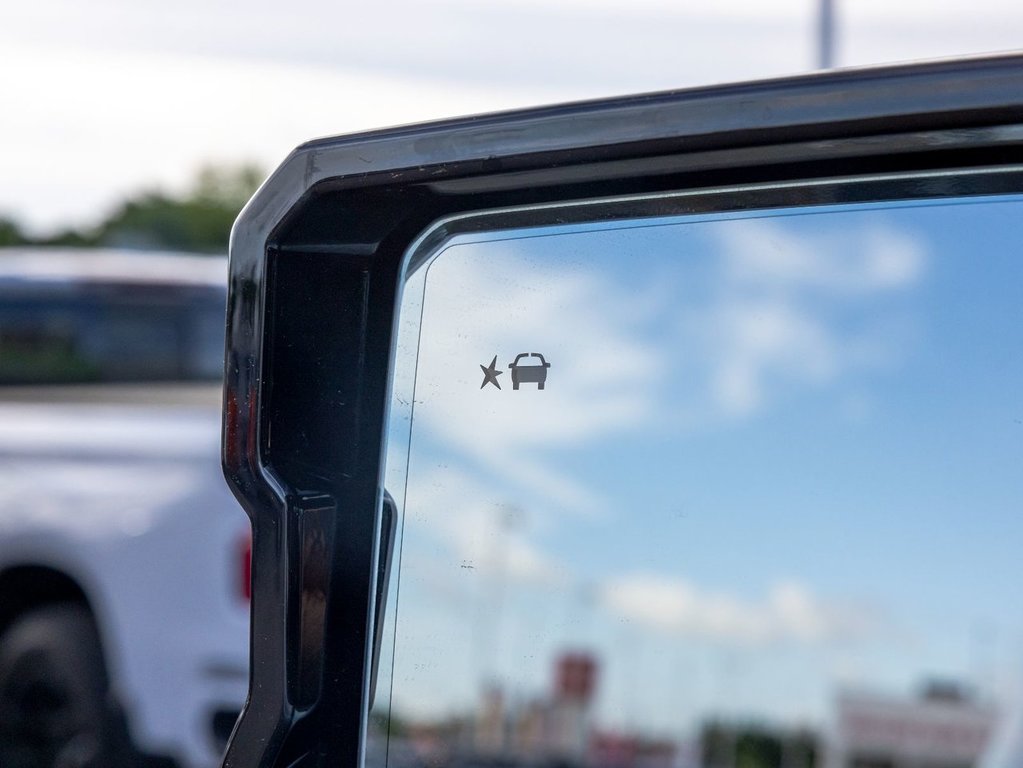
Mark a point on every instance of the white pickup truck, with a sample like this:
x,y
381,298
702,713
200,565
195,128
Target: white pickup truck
x,y
123,556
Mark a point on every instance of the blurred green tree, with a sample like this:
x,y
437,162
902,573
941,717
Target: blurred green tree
x,y
10,232
198,221
744,745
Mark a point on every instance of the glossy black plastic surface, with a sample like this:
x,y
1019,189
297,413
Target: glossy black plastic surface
x,y
317,260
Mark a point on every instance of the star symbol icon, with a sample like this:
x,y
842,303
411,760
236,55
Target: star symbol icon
x,y
490,374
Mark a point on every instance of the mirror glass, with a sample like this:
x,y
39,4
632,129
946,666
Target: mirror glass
x,y
728,491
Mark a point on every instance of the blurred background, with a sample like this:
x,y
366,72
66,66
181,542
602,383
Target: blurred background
x,y
106,101
131,134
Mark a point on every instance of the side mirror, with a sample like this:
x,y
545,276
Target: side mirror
x,y
684,401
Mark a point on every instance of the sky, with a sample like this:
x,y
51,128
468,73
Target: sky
x,y
778,461
101,99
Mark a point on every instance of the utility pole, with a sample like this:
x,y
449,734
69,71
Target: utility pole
x,y
826,34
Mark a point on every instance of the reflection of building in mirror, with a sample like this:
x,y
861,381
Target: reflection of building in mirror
x,y
942,727
557,725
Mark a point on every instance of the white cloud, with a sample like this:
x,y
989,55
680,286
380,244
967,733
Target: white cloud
x,y
787,311
105,96
473,527
788,612
490,300
766,254
759,340
82,127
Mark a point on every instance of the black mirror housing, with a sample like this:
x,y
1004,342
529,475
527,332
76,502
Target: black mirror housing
x,y
318,259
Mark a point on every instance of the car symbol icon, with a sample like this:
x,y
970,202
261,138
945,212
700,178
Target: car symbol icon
x,y
532,373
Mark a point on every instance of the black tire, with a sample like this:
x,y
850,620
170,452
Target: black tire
x,y
55,707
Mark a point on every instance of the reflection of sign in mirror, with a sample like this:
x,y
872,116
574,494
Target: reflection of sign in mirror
x,y
529,372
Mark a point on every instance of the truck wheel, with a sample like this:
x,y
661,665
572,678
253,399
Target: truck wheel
x,y
55,711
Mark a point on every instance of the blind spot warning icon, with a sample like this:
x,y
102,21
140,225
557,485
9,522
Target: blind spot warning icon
x,y
490,374
530,372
